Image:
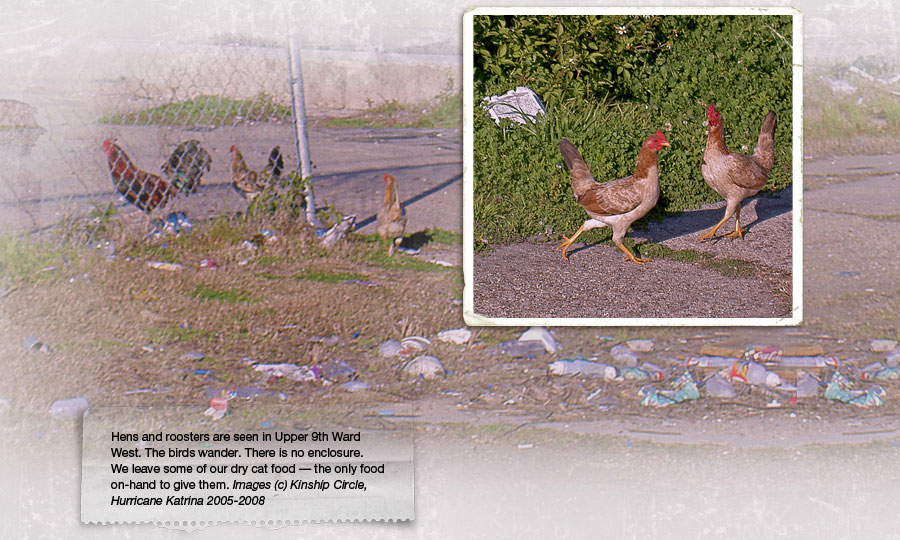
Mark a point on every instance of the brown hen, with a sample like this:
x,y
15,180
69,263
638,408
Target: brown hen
x,y
619,203
391,217
735,176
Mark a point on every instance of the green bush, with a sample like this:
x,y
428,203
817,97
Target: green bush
x,y
608,83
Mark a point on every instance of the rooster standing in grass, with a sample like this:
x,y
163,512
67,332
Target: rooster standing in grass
x,y
186,165
618,203
250,183
144,190
391,217
735,176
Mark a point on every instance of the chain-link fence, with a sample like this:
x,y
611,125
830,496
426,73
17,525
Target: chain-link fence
x,y
146,99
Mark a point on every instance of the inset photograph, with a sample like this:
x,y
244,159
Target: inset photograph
x,y
627,167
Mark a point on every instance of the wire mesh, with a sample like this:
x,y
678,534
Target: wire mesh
x,y
145,126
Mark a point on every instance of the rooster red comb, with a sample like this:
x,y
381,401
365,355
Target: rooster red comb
x,y
711,109
232,149
387,178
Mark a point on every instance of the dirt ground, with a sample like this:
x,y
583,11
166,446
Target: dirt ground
x,y
563,455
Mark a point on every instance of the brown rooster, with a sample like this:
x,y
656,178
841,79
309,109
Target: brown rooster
x,y
391,217
145,190
735,176
618,203
250,183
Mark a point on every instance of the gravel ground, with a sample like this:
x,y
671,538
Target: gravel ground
x,y
532,280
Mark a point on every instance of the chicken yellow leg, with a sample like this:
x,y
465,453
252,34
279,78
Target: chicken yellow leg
x,y
731,209
568,241
738,230
631,256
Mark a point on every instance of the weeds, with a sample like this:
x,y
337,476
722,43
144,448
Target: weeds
x,y
205,293
206,110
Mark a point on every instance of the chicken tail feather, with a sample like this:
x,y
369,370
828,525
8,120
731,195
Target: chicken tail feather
x,y
764,151
581,174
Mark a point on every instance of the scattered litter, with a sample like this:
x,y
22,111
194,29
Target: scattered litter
x,y
174,224
209,264
6,291
716,386
893,358
593,394
521,105
807,385
753,373
520,349
192,356
581,365
353,386
845,274
249,245
459,336
386,412
291,371
885,374
202,371
524,446
242,392
427,367
623,355
338,232
763,354
218,407
711,361
638,374
68,409
640,345
683,388
32,343
541,334
883,345
335,369
147,348
389,348
265,425
142,391
807,361
167,266
652,368
414,343
774,404
268,236
841,389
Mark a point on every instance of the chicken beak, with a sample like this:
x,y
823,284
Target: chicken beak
x,y
666,143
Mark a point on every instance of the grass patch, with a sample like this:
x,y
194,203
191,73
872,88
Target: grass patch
x,y
443,112
442,236
26,260
324,276
207,110
205,293
730,267
846,112
661,251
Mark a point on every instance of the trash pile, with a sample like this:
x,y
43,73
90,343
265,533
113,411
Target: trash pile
x,y
778,374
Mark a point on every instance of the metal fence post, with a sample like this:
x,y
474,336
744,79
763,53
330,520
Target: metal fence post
x,y
298,106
